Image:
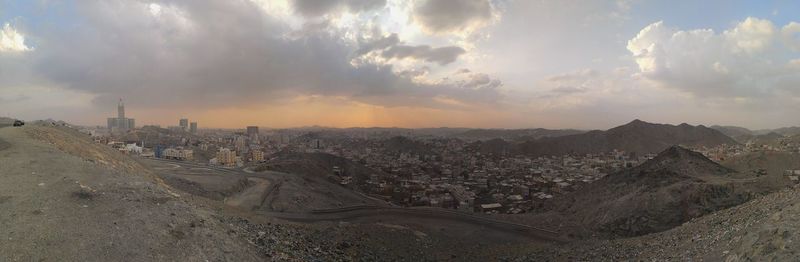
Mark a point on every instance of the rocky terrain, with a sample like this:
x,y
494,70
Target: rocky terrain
x,y
676,186
764,229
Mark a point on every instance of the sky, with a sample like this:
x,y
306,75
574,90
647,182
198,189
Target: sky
x,y
585,64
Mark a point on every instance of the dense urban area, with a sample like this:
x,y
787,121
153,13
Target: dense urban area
x,y
407,167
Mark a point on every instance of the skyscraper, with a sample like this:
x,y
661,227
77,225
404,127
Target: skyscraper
x,y
193,127
120,123
252,132
184,123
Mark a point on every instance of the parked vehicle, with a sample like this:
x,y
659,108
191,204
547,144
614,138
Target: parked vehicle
x,y
19,123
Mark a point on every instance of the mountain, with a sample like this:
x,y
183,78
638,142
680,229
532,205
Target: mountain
x,y
637,136
664,192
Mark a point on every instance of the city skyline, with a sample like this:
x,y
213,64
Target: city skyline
x,y
391,63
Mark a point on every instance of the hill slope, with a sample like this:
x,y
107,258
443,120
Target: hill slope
x,y
763,229
62,200
662,193
636,136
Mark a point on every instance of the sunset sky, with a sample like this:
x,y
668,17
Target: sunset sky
x,y
428,63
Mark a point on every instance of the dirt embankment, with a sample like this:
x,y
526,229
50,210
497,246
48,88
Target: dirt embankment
x,y
75,143
59,205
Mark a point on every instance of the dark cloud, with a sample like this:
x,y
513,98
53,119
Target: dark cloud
x,y
313,8
379,44
206,54
412,73
565,90
390,48
444,16
440,55
480,81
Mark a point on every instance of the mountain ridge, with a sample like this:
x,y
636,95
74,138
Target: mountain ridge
x,y
636,137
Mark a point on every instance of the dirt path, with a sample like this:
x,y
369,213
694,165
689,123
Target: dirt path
x,y
59,207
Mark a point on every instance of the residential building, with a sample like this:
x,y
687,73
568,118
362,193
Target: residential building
x,y
226,157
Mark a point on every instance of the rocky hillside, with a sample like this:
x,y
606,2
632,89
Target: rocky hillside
x,y
763,229
674,187
636,136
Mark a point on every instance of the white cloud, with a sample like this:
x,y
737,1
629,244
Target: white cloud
x,y
11,40
154,8
791,35
740,62
751,35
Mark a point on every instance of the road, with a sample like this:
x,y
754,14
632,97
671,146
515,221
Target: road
x,y
373,212
403,213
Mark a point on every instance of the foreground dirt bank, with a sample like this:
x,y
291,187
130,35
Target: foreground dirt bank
x,y
60,207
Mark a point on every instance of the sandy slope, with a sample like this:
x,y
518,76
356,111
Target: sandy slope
x,y
60,207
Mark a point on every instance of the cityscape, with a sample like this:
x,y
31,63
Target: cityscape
x,y
410,169
399,130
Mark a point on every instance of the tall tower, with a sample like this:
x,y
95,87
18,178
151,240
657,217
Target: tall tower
x,y
120,110
122,123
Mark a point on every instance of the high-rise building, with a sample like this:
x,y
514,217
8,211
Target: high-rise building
x,y
184,123
120,110
252,132
120,123
240,144
193,127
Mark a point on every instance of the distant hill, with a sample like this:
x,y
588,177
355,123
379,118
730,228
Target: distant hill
x,y
662,193
514,134
637,136
5,121
785,131
770,138
740,134
401,144
496,147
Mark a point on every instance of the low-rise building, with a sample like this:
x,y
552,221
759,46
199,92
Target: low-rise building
x,y
178,154
226,157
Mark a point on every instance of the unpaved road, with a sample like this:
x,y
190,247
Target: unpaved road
x,y
272,196
58,207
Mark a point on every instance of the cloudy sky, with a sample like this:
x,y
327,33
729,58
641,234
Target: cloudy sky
x,y
427,63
